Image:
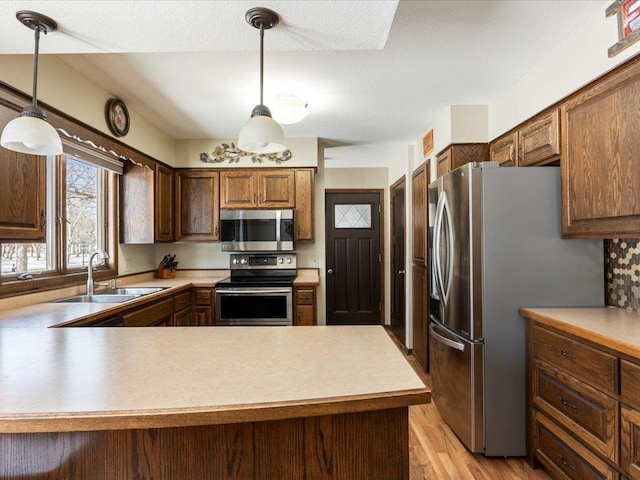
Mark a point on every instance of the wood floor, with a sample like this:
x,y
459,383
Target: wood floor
x,y
435,453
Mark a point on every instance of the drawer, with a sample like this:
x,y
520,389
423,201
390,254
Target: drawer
x,y
147,316
630,383
305,296
564,456
597,368
204,296
182,301
589,414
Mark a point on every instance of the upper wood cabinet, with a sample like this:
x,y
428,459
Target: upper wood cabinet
x,y
23,203
535,142
197,199
539,140
146,203
419,183
244,188
137,203
303,217
504,150
458,154
164,207
23,186
600,152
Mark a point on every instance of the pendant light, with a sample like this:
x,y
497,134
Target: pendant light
x,y
261,134
30,132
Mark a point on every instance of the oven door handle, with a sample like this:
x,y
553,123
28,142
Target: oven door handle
x,y
252,291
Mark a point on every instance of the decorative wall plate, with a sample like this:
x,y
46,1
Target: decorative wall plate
x,y
117,117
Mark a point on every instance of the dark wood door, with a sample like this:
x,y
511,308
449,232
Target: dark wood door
x,y
354,262
398,272
164,204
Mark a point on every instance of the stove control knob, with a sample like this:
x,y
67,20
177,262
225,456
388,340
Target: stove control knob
x,y
281,260
289,260
243,261
234,261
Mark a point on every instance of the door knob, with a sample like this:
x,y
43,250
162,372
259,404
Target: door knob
x,y
330,271
401,272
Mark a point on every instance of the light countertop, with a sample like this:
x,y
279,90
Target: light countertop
x,y
615,328
112,378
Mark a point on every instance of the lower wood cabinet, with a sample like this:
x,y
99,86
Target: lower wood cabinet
x,y
160,312
584,407
304,306
203,308
419,297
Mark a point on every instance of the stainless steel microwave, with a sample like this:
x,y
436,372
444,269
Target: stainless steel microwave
x,y
256,230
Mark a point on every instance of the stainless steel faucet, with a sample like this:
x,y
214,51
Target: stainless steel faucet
x,y
90,284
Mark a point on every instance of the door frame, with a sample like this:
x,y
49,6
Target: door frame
x,y
402,181
380,192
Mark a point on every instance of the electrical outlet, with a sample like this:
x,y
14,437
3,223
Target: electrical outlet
x,y
127,265
314,261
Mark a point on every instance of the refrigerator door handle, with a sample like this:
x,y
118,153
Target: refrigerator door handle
x,y
436,245
444,340
446,215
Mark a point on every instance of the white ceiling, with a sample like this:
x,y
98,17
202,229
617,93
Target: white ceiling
x,y
373,72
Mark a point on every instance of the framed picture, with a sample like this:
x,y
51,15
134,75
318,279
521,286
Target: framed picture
x,y
628,15
117,117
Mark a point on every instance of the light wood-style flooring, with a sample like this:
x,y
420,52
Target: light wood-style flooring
x,y
435,453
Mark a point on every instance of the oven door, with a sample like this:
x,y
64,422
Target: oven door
x,y
254,306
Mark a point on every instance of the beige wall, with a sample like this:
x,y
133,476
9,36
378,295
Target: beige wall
x,y
63,88
304,150
575,62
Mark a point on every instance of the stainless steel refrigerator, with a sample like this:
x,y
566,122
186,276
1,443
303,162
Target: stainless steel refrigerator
x,y
496,246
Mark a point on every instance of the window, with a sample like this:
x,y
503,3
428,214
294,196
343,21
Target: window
x,y
80,218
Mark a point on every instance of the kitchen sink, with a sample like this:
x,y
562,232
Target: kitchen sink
x,y
130,291
98,298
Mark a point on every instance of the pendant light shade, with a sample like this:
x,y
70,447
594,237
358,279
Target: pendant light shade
x,y
31,133
261,134
287,108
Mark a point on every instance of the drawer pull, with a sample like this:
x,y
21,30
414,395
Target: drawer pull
x,y
567,354
567,404
566,463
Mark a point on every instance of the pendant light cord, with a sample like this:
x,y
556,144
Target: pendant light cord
x,y
35,67
261,59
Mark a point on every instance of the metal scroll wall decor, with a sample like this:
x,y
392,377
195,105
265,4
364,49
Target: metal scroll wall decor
x,y
229,152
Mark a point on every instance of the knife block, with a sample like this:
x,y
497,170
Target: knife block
x,y
161,272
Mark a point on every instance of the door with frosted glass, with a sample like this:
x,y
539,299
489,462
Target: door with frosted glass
x,y
354,263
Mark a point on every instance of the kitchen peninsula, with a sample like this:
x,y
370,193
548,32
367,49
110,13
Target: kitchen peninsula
x,y
220,402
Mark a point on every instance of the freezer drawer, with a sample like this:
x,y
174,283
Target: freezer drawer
x,y
456,373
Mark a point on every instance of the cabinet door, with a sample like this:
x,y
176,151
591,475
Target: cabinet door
x,y
137,203
600,151
276,188
304,212
539,140
238,189
164,204
630,451
444,162
420,314
23,202
197,212
419,182
201,317
182,318
503,150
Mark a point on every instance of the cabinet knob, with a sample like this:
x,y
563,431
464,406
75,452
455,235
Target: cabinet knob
x,y
330,271
401,272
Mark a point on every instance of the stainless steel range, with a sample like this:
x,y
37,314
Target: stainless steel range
x,y
258,292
